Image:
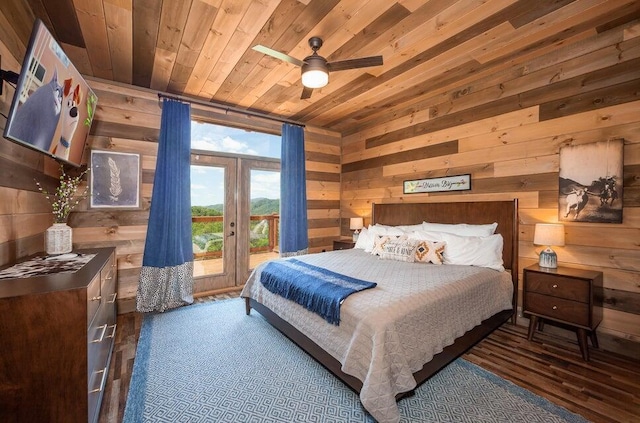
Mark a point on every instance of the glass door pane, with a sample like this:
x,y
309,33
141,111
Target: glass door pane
x,y
207,219
213,220
264,219
258,214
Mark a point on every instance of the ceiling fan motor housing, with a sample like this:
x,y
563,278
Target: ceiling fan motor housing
x,y
315,73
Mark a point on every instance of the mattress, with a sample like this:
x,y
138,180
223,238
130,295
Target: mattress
x,y
389,332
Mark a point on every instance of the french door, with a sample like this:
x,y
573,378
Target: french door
x,y
231,242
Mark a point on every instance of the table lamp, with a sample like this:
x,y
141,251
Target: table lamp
x,y
549,234
355,224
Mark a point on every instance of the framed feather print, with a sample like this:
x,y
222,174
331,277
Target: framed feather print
x,y
115,180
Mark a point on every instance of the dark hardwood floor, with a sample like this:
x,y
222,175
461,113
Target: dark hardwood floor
x,y
605,389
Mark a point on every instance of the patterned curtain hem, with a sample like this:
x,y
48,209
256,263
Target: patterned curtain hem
x,y
295,253
164,288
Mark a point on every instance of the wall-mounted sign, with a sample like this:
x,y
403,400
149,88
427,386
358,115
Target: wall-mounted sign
x,y
447,183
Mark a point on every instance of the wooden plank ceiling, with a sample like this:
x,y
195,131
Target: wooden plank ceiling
x,y
432,49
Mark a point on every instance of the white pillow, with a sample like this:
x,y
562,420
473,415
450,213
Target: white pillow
x,y
462,229
427,235
482,251
364,240
386,230
375,230
410,228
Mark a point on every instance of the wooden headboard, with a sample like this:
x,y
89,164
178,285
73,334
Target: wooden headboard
x,y
480,212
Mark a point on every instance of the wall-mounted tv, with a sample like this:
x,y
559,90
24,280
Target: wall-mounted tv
x,y
53,107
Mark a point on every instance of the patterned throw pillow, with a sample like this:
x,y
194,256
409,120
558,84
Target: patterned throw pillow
x,y
400,249
430,252
380,241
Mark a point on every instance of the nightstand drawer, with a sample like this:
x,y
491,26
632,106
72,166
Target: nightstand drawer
x,y
558,308
558,286
343,244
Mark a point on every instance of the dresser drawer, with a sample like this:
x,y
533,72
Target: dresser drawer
x,y
100,340
97,371
108,289
558,286
561,309
108,275
94,298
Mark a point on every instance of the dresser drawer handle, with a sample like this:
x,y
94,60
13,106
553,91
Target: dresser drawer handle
x,y
96,298
554,286
554,307
113,299
104,330
113,333
103,379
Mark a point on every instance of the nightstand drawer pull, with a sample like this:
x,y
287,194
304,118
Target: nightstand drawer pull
x,y
554,307
554,286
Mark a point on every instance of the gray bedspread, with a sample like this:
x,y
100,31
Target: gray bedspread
x,y
389,332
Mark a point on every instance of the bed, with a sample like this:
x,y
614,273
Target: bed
x,y
380,348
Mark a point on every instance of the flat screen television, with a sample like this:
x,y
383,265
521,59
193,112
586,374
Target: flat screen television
x,y
53,106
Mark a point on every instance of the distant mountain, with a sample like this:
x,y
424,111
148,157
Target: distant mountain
x,y
259,206
265,206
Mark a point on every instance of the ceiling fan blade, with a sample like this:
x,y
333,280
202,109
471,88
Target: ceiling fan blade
x,y
363,62
278,55
306,93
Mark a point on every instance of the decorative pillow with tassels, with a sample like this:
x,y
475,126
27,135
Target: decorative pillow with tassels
x,y
380,241
400,249
430,252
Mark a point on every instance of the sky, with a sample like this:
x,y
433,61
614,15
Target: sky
x,y
587,162
207,182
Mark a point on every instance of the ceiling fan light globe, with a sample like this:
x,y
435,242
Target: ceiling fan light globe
x,y
315,78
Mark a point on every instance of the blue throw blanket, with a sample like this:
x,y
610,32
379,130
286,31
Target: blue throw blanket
x,y
315,288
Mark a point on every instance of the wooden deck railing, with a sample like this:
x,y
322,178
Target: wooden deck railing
x,y
273,221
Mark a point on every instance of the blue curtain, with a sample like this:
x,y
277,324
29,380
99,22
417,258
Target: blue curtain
x,y
294,239
166,278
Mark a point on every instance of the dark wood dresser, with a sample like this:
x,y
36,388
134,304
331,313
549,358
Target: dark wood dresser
x,y
56,337
566,295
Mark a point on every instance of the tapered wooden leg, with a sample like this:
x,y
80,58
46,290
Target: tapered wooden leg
x,y
540,325
584,346
594,339
247,306
532,326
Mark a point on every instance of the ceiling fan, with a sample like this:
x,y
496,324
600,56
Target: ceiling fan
x,y
315,68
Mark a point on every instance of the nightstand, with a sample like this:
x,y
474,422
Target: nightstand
x,y
565,295
343,244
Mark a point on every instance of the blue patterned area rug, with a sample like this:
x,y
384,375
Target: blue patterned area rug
x,y
213,363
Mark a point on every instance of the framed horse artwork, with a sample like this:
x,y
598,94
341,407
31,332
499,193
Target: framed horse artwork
x,y
591,182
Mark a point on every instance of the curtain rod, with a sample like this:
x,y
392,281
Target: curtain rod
x,y
229,108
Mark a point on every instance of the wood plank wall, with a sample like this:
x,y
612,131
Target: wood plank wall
x,y
128,120
506,130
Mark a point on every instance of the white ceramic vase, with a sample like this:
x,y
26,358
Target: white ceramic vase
x,y
58,239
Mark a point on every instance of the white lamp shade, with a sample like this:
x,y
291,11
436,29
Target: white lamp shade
x,y
549,234
356,223
315,78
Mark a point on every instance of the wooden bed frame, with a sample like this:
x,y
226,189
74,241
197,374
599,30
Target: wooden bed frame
x,y
503,212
